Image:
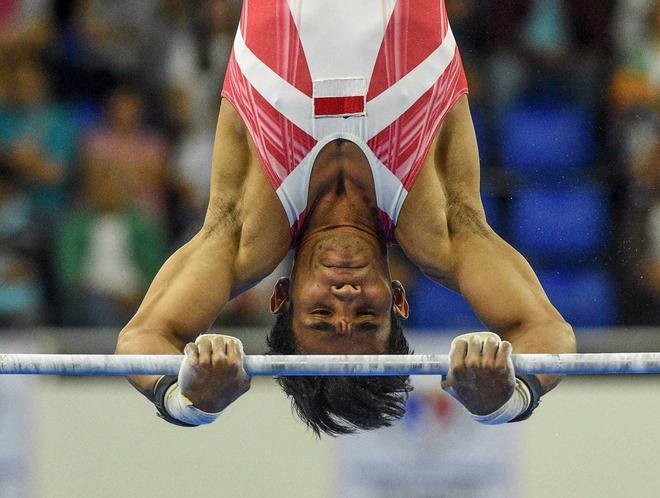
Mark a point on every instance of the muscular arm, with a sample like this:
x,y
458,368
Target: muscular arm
x,y
461,251
239,243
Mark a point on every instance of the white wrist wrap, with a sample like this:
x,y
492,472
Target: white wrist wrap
x,y
518,403
182,409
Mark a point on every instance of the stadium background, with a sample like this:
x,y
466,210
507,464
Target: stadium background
x,y
107,113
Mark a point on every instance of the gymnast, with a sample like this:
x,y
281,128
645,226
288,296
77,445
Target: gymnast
x,y
344,127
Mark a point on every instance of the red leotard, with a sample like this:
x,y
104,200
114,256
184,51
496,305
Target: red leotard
x,y
380,73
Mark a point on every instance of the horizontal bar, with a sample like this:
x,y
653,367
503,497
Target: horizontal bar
x,y
301,365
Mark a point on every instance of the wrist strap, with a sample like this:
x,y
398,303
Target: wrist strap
x,y
160,390
182,409
517,404
536,391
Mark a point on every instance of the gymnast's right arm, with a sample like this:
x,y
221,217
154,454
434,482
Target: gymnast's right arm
x,y
243,239
182,301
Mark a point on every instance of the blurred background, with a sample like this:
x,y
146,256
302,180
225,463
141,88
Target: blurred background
x,y
107,115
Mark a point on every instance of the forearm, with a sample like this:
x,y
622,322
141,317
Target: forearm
x,y
554,337
183,300
508,297
135,340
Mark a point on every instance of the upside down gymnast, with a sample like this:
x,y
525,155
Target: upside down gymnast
x,y
344,127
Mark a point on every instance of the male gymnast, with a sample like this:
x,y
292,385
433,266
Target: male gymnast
x,y
344,126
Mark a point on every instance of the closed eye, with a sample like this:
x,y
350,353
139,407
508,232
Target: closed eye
x,y
321,312
322,326
366,327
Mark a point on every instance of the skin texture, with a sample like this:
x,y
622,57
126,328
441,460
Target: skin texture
x,y
340,278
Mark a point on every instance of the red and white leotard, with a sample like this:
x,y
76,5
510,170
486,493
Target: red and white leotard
x,y
380,73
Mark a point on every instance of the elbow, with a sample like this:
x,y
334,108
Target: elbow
x,y
569,337
565,337
123,340
132,332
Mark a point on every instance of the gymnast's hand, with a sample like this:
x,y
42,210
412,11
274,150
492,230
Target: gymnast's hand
x,y
212,375
481,374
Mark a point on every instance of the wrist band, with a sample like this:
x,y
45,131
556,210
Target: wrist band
x,y
517,405
175,408
182,409
536,391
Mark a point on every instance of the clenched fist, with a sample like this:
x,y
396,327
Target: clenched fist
x,y
212,374
481,374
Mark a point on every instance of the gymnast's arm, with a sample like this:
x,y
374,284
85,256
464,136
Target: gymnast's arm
x,y
462,252
239,244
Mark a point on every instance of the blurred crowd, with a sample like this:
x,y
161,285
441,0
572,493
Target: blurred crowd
x,y
107,115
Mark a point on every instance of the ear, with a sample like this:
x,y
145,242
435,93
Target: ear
x,y
399,301
279,300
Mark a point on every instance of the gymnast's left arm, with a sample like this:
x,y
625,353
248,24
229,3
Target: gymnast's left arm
x,y
465,254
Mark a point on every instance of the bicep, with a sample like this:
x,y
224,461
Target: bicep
x,y
456,160
444,205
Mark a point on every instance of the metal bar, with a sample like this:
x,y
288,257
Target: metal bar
x,y
311,365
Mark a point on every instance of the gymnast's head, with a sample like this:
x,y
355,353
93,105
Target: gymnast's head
x,y
340,300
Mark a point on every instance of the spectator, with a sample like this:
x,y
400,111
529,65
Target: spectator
x,y
114,36
21,292
24,26
635,105
636,81
38,135
107,252
197,58
639,244
191,168
130,151
554,48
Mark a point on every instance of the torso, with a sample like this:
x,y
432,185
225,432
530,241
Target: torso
x,y
299,84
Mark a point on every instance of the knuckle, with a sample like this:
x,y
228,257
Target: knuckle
x,y
471,364
491,344
459,343
488,364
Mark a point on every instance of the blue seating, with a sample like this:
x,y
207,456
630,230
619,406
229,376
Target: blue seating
x,y
585,297
546,139
558,223
433,306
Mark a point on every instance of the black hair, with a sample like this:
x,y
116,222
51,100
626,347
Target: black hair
x,y
341,405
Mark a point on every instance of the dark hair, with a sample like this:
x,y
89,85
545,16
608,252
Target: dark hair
x,y
341,405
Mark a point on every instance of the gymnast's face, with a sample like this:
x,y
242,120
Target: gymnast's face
x,y
341,295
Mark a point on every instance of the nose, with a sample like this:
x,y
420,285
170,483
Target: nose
x,y
346,292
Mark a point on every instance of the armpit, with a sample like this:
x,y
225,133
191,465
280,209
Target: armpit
x,y
464,217
224,218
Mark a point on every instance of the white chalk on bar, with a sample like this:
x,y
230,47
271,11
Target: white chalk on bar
x,y
312,365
